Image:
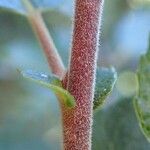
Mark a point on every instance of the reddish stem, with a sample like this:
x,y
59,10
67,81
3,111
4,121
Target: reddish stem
x,y
53,58
77,122
40,29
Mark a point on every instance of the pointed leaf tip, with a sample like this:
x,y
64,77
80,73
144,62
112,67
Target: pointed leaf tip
x,y
105,81
52,82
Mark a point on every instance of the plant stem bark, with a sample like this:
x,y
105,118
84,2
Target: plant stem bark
x,y
43,35
53,58
77,122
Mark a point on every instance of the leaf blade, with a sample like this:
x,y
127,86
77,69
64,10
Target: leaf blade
x,y
52,82
18,6
105,81
142,99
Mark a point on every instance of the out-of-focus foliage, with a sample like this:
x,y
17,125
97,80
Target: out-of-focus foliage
x,y
18,5
116,128
105,81
31,121
127,83
142,100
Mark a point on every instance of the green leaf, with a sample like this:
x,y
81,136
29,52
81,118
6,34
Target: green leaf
x,y
14,5
115,128
142,99
105,81
51,82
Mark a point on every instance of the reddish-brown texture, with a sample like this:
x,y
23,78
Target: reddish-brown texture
x,y
77,122
53,58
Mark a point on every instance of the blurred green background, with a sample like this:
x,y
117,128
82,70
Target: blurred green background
x,y
29,114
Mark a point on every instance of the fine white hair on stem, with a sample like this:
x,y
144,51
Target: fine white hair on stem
x,y
81,74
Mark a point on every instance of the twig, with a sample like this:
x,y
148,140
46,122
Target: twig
x,y
39,27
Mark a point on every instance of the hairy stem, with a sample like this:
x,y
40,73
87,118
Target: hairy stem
x,y
39,27
77,122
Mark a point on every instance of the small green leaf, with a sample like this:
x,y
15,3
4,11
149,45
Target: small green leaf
x,y
51,82
105,81
142,99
